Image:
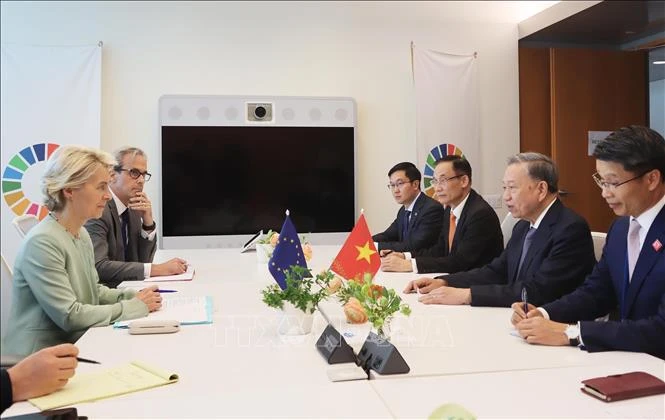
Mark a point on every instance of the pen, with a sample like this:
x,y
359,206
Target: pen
x,y
525,301
81,359
387,252
166,291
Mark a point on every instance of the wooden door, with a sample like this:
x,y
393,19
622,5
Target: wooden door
x,y
591,90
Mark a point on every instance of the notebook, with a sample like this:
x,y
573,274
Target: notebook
x,y
186,276
623,386
188,310
135,376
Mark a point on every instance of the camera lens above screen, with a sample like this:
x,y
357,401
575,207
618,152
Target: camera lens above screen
x,y
259,112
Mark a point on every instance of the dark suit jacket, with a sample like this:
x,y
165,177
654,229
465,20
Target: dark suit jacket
x,y
109,252
424,227
560,256
478,240
643,328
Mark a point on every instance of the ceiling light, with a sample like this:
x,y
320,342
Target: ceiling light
x,y
659,62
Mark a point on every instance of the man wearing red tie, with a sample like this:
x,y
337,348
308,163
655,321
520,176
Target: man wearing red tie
x,y
630,275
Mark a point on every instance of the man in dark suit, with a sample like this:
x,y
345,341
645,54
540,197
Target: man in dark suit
x,y
549,252
470,225
124,238
420,218
630,275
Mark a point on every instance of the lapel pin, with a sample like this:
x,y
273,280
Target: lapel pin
x,y
657,245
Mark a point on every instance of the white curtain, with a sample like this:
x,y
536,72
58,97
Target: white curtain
x,y
51,96
447,108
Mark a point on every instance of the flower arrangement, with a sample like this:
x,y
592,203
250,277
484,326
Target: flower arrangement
x,y
303,290
364,301
271,238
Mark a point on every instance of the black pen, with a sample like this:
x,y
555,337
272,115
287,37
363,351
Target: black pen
x,y
387,252
525,301
81,359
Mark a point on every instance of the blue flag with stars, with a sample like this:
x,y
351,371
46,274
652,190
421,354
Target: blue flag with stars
x,y
288,252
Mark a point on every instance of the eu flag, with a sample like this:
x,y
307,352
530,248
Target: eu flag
x,y
288,252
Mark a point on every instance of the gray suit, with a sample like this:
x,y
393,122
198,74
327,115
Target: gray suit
x,y
109,251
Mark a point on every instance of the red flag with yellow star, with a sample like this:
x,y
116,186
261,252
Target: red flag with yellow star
x,y
358,254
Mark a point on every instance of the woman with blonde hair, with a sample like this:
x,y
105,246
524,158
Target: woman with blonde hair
x,y
56,290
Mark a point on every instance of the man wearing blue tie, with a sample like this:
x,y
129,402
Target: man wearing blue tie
x,y
419,220
549,253
124,238
630,275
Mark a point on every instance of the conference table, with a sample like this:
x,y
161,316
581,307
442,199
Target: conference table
x,y
239,366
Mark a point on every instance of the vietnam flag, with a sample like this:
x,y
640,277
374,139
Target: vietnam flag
x,y
358,254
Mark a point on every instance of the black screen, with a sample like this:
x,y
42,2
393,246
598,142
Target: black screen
x,y
239,180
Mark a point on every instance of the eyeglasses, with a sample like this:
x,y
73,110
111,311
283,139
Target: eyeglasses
x,y
443,180
135,173
397,184
611,186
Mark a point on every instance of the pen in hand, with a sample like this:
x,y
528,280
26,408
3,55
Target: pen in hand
x,y
165,291
525,301
81,359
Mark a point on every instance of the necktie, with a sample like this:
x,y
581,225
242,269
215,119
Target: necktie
x,y
405,225
525,248
633,246
124,224
451,230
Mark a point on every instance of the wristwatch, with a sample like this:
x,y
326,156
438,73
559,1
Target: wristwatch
x,y
573,334
151,227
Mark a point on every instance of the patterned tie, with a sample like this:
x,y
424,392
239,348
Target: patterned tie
x,y
451,230
525,248
633,246
124,224
405,226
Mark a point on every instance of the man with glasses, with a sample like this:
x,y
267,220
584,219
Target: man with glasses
x,y
630,275
548,255
471,236
124,238
420,218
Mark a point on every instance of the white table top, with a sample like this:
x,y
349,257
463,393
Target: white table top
x,y
240,367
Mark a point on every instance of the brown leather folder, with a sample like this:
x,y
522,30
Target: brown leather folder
x,y
623,386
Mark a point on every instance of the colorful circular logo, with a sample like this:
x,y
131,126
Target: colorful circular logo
x,y
11,179
435,154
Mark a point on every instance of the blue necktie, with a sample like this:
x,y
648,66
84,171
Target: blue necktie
x,y
405,225
124,224
525,248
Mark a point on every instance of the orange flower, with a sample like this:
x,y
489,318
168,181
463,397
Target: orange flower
x,y
375,291
355,314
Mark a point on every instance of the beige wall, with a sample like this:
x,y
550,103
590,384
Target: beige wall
x,y
300,49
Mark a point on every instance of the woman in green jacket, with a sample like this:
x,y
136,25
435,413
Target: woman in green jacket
x,y
56,290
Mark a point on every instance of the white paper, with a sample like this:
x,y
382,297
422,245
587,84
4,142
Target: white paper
x,y
187,275
185,309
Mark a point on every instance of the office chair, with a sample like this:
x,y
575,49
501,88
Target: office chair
x,y
24,223
507,227
598,243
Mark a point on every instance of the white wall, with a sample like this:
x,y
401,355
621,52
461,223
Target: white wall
x,y
360,50
657,106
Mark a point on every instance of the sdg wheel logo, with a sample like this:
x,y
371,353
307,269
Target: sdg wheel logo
x,y
12,177
445,149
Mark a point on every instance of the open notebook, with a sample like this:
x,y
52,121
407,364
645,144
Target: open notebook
x,y
188,310
132,377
